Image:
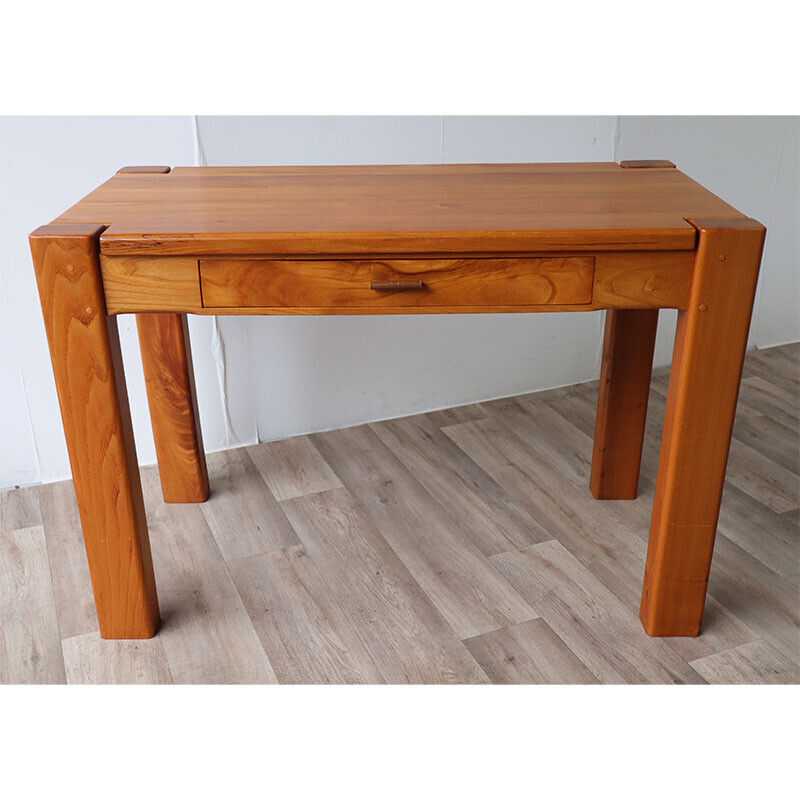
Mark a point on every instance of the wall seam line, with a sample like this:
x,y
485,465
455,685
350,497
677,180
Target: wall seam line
x,y
217,339
767,223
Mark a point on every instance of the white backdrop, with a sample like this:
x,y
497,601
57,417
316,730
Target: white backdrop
x,y
266,378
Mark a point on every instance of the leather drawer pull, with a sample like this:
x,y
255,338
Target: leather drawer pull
x,y
397,285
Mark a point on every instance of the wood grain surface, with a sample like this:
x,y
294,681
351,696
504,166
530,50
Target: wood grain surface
x,y
88,659
751,663
87,364
207,635
245,519
69,570
143,170
530,652
135,284
294,612
393,209
20,508
647,164
629,342
30,649
169,378
706,369
611,645
440,282
497,523
292,468
406,637
468,591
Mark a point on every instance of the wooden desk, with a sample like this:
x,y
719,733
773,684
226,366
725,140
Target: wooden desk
x,y
510,238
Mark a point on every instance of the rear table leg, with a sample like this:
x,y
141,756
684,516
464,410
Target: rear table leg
x,y
630,338
167,362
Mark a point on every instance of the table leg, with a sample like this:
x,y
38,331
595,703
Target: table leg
x,y
87,364
628,345
704,385
167,362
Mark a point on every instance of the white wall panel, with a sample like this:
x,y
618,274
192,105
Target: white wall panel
x,y
18,457
518,139
46,165
777,319
737,159
244,141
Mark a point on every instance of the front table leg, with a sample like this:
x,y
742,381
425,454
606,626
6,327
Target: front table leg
x,y
87,364
706,369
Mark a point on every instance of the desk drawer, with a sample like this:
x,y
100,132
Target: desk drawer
x,y
465,282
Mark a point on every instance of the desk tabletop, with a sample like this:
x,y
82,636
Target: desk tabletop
x,y
439,208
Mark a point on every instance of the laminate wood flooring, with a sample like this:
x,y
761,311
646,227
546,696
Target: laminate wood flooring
x,y
459,546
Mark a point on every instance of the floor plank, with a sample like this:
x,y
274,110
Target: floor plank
x,y
244,517
292,468
306,634
527,653
762,478
466,588
770,439
30,643
206,632
585,527
69,569
721,630
566,447
496,522
604,634
756,595
88,659
760,397
774,539
404,634
19,508
763,532
577,404
452,416
608,538
778,365
753,663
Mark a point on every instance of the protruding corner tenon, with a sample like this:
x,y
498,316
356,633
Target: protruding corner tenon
x,y
652,164
144,170
68,231
727,223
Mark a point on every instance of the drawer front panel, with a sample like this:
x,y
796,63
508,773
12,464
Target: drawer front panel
x,y
284,284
